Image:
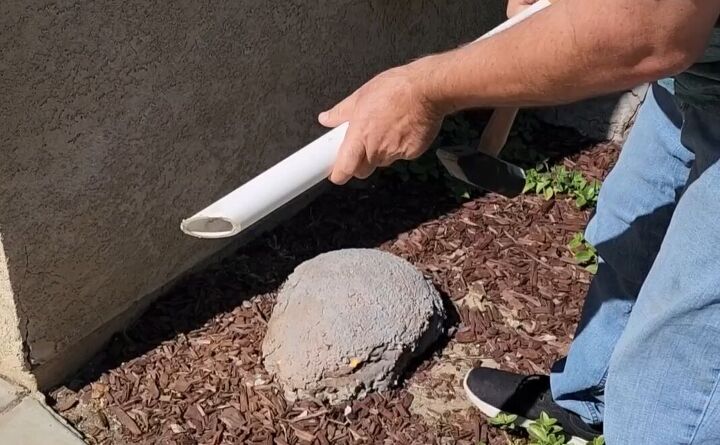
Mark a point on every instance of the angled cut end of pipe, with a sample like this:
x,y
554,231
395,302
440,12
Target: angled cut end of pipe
x,y
209,227
269,191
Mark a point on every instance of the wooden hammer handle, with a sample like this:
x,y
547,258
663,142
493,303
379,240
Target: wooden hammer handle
x,y
497,130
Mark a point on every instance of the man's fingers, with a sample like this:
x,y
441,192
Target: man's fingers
x,y
340,113
351,157
387,162
365,169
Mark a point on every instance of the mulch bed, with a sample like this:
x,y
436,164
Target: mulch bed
x,y
190,372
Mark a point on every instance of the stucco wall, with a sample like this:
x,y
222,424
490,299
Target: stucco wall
x,y
119,118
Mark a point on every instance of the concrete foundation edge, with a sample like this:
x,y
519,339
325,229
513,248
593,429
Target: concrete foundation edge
x,y
604,118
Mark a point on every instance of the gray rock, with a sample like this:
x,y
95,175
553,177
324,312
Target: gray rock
x,y
349,322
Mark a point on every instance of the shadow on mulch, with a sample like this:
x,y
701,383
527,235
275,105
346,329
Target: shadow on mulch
x,y
385,206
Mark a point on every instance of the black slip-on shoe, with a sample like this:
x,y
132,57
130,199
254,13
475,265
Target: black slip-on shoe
x,y
494,391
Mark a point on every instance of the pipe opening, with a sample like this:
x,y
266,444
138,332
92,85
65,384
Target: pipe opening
x,y
209,227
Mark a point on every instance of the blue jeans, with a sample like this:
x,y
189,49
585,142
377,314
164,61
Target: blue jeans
x,y
646,356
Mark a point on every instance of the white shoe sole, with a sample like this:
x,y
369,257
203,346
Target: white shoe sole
x,y
491,411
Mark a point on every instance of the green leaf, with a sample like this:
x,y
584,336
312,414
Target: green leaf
x,y
503,419
580,201
578,181
530,180
584,256
592,268
598,441
576,241
537,432
546,420
542,183
588,194
548,193
558,180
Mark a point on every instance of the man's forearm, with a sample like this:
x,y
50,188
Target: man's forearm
x,y
573,50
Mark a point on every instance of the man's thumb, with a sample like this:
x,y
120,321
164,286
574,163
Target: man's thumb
x,y
339,114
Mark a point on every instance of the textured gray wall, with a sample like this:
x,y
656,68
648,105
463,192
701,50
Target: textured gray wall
x,y
119,118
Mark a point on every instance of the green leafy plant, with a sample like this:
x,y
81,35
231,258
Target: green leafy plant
x,y
584,253
585,193
503,420
560,180
538,182
506,422
545,431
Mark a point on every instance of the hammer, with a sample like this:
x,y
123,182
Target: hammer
x,y
481,167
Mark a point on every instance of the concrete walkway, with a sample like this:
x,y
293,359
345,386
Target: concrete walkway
x,y
26,420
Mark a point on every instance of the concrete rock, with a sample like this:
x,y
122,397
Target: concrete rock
x,y
349,322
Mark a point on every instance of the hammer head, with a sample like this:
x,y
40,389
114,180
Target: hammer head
x,y
482,170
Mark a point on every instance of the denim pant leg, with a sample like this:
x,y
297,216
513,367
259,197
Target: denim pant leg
x,y
634,209
664,377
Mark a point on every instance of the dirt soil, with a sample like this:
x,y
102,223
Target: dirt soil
x,y
189,370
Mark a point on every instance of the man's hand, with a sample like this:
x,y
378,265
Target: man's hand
x,y
582,53
390,119
516,6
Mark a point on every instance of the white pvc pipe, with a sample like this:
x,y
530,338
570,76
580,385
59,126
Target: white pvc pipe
x,y
267,192
286,180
